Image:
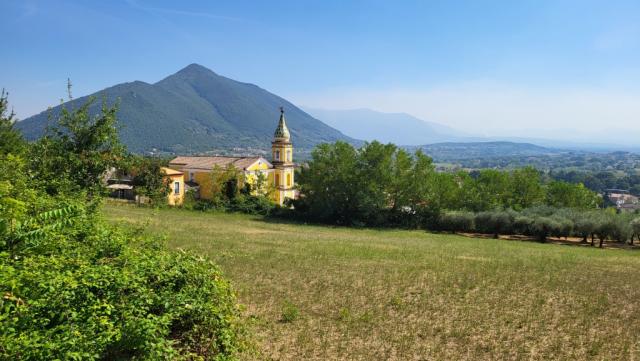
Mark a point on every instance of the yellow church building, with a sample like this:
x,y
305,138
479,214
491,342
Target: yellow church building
x,y
279,173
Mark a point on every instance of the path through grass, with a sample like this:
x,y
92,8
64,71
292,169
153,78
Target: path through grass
x,y
325,293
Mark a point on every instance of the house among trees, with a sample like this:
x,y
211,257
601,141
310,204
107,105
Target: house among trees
x,y
623,200
175,179
256,172
121,185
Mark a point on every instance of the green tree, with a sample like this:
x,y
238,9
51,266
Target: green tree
x,y
457,221
562,194
225,184
443,191
543,227
374,180
11,140
585,226
328,184
77,150
495,222
377,184
149,179
522,224
525,188
261,186
491,188
606,229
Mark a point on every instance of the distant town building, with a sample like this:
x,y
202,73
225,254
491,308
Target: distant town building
x,y
623,201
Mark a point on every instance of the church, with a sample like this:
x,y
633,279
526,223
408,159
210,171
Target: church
x,y
279,173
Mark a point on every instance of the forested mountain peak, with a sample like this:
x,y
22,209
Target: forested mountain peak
x,y
196,110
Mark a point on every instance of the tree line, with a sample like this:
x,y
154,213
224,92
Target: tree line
x,y
384,185
600,181
543,222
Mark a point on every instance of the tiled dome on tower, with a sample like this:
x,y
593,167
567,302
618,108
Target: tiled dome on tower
x,y
282,132
283,166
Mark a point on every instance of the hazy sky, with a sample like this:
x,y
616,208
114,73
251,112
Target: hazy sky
x,y
527,68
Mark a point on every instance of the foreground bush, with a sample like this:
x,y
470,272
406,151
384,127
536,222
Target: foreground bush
x,y
72,288
99,294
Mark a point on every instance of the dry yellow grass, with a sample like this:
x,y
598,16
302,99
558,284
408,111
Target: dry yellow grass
x,y
412,295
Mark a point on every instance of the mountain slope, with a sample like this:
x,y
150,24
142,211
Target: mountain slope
x,y
398,128
196,110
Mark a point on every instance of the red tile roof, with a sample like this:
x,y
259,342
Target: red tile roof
x,y
208,163
169,171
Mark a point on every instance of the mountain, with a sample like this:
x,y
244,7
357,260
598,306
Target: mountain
x,y
397,128
196,110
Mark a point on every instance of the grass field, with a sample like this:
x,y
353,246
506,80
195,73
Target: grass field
x,y
412,295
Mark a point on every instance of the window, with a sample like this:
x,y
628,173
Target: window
x,y
277,180
277,157
176,188
192,177
289,155
288,180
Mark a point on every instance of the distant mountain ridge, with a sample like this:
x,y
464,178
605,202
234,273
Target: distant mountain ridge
x,y
450,151
196,110
397,128
408,130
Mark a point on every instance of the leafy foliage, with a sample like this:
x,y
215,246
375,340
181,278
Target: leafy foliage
x,y
382,185
11,140
374,185
76,151
457,222
74,288
149,179
107,295
229,192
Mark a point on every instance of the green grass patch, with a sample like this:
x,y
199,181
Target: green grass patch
x,y
365,294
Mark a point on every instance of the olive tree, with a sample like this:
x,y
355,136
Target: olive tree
x,y
456,222
635,227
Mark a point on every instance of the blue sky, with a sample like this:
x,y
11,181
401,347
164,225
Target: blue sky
x,y
532,68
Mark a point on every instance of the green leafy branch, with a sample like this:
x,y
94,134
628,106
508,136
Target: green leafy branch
x,y
34,229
